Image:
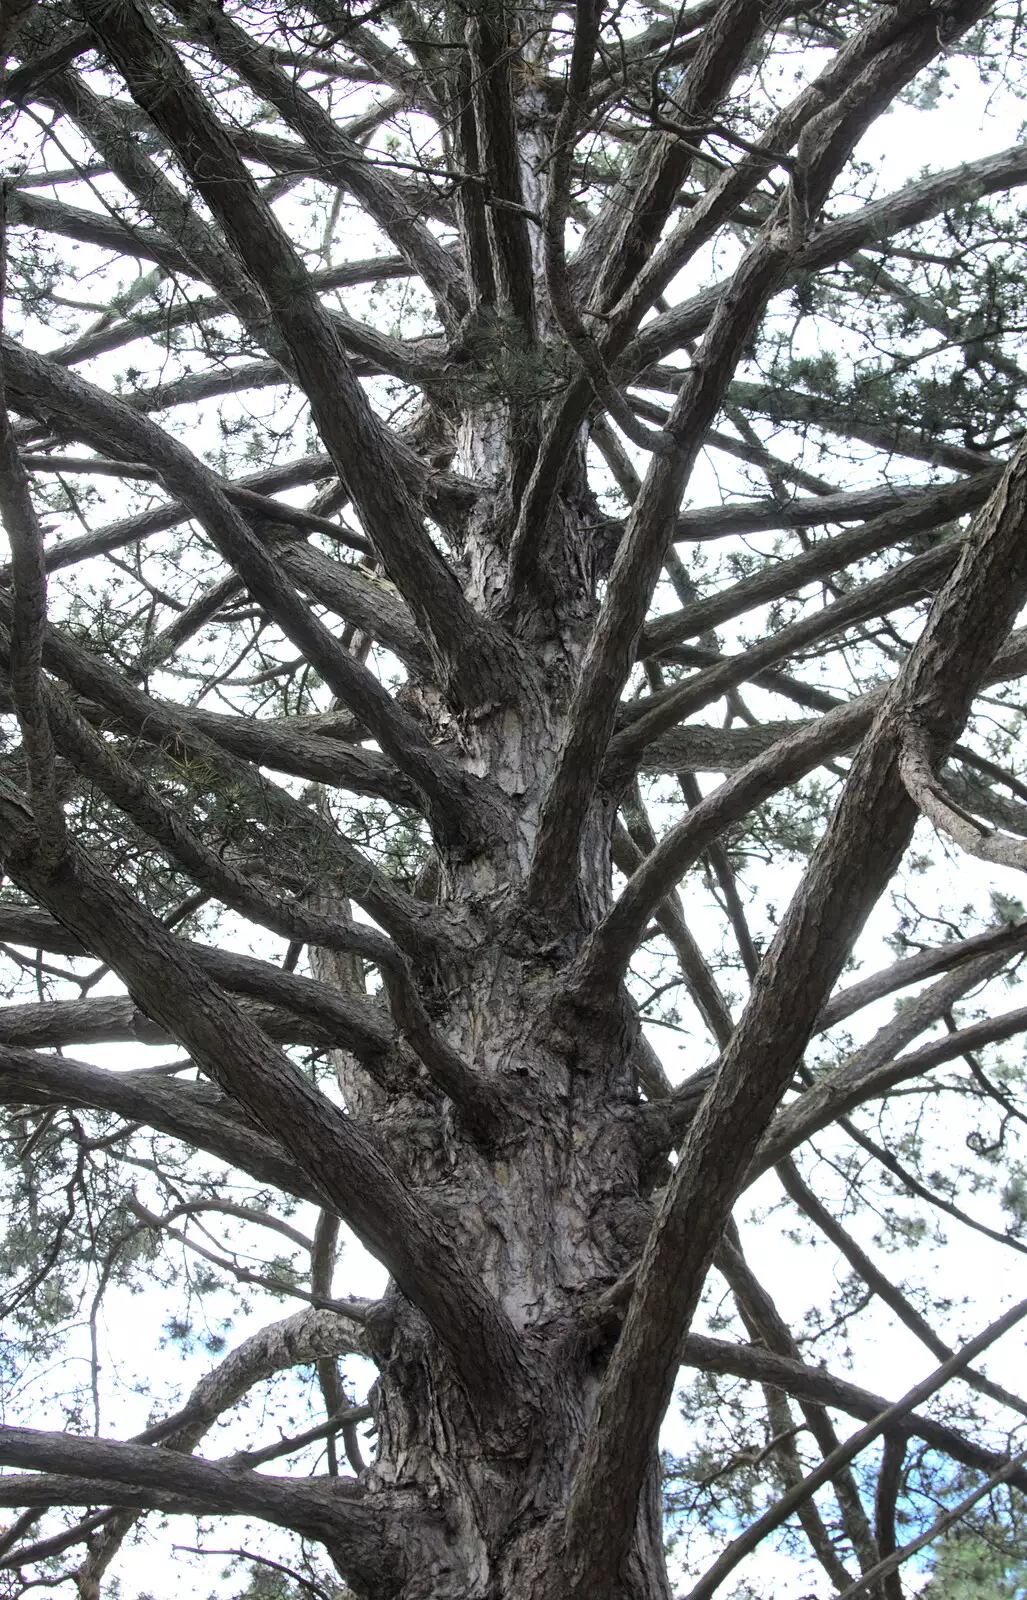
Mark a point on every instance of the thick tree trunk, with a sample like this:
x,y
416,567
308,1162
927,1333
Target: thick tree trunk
x,y
547,1222
559,1212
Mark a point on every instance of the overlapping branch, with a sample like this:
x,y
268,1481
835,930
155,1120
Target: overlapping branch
x,y
859,853
44,389
472,658
344,1164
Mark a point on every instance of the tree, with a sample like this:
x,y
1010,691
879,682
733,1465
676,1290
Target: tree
x,y
382,807
973,1568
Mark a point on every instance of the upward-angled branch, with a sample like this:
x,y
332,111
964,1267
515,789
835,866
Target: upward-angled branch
x,y
1008,936
339,154
472,660
621,236
610,947
300,1340
347,1168
824,147
861,849
802,1196
495,160
842,1091
45,389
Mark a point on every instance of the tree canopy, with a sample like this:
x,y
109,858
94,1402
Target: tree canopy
x,y
510,710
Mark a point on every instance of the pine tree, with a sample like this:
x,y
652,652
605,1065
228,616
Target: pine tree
x,y
398,721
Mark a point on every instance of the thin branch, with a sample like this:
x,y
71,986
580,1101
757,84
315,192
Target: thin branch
x,y
1006,936
939,1526
807,1202
923,511
889,1487
905,583
28,620
754,1535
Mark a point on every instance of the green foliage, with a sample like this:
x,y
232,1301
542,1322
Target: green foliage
x,y
972,1564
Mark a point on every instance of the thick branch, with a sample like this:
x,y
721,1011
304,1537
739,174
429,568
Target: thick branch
x,y
756,1364
133,1473
348,1169
193,1113
864,842
366,457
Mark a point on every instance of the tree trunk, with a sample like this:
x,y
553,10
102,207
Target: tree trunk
x,y
556,1214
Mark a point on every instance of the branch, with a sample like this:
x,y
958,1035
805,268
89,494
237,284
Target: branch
x,y
339,156
975,838
640,556
700,748
695,969
939,1526
88,227
345,1165
879,220
137,1474
1007,936
803,1197
754,1535
842,1092
113,1019
197,310
167,726
755,1364
369,603
723,197
208,866
131,530
913,1186
620,238
904,583
608,951
889,1487
477,1101
208,257
496,158
764,1322
28,621
108,424
192,1113
857,857
824,147
922,511
627,229
473,661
